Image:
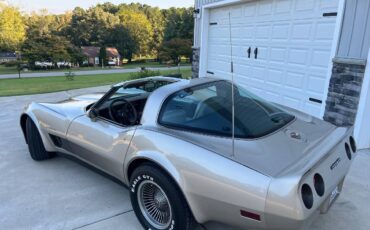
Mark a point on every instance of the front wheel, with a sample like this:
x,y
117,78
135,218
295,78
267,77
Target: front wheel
x,y
157,202
35,145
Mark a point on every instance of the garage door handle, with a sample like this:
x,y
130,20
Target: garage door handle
x,y
256,53
249,52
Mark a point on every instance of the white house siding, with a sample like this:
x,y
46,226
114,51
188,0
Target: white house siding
x,y
355,37
198,5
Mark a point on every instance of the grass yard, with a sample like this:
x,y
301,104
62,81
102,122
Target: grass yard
x,y
8,70
27,86
133,65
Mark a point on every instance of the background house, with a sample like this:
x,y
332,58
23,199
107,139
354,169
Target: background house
x,y
92,55
310,55
7,57
113,56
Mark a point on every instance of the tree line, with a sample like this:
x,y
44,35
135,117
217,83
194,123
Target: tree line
x,y
136,30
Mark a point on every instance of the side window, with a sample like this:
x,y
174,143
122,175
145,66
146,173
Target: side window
x,y
205,108
148,86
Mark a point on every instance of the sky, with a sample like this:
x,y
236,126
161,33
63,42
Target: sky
x,y
60,6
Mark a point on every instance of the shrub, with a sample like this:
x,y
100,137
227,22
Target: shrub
x,y
145,73
70,76
11,64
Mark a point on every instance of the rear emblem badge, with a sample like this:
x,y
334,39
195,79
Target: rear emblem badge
x,y
296,135
335,164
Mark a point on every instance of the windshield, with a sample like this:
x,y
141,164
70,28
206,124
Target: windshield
x,y
207,108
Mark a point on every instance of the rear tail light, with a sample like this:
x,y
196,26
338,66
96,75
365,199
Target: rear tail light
x,y
307,196
319,184
348,151
352,142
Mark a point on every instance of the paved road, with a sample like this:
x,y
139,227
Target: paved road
x,y
87,72
62,194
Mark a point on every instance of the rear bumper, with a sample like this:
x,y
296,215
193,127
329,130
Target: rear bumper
x,y
284,206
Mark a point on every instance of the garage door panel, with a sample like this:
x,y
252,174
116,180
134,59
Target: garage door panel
x,y
301,31
276,77
264,8
278,55
298,56
250,10
324,30
306,5
295,80
328,4
312,108
316,84
263,32
280,32
283,7
320,58
294,43
293,102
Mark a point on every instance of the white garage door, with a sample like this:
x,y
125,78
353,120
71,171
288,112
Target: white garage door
x,y
281,48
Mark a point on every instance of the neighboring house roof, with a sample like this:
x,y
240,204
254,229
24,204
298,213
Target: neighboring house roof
x,y
8,55
112,52
91,51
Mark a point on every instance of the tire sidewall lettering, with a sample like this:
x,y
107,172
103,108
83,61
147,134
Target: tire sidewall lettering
x,y
134,184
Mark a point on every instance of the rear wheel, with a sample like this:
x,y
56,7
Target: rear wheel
x,y
35,145
157,201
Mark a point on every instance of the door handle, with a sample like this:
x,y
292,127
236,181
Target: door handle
x,y
249,52
256,53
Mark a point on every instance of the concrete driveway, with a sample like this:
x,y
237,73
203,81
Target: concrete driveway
x,y
62,194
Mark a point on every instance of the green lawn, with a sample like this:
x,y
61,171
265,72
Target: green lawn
x,y
134,65
7,70
27,86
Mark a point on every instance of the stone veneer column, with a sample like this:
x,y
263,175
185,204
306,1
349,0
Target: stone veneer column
x,y
195,62
344,91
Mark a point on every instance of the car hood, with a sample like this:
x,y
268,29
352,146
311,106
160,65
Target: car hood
x,y
272,154
75,106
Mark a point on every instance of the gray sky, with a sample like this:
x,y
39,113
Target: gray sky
x,y
60,6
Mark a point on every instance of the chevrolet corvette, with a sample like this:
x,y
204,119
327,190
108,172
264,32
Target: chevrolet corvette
x,y
199,151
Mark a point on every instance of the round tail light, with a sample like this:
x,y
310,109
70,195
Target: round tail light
x,y
307,196
348,151
352,142
319,184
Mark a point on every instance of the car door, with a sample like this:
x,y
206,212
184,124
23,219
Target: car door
x,y
101,143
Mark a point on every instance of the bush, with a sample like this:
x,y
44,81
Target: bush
x,y
145,73
70,76
11,64
174,75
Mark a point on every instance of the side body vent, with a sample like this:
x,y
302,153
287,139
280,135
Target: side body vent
x,y
56,140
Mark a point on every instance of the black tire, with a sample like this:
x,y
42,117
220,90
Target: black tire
x,y
182,218
35,145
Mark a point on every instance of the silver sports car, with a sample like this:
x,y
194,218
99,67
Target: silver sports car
x,y
202,150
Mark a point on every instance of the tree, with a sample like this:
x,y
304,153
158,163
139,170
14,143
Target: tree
x,y
136,32
175,49
157,21
103,55
12,29
179,23
48,48
90,27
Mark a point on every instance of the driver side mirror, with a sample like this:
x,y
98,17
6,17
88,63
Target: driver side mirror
x,y
93,114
